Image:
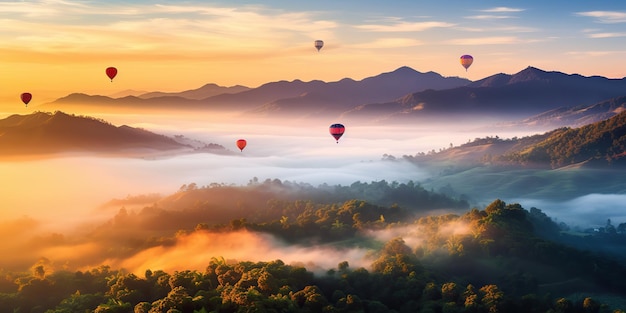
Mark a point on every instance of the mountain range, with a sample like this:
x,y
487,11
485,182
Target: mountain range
x,y
43,133
206,91
277,98
529,97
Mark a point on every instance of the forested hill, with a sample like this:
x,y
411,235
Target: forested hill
x,y
600,144
42,133
490,260
273,199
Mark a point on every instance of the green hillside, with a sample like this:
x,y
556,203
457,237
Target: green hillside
x,y
601,143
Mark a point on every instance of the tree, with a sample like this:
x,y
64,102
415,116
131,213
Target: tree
x,y
310,298
396,259
492,297
471,302
450,292
563,305
591,306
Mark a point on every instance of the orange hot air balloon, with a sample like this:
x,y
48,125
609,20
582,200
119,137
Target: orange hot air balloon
x,y
26,97
337,130
241,143
111,72
466,61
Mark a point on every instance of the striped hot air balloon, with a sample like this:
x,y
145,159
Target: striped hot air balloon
x,y
337,130
466,61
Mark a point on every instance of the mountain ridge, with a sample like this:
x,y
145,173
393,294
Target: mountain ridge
x,y
44,133
283,95
599,144
206,91
401,95
529,92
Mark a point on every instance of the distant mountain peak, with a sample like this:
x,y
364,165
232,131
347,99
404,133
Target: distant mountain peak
x,y
405,69
528,74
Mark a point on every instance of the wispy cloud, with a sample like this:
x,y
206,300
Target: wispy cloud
x,y
596,53
502,10
489,17
496,40
608,17
67,26
386,43
44,8
504,29
606,35
405,26
598,33
495,13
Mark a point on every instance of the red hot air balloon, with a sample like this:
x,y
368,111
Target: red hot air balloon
x,y
111,72
241,143
336,130
26,97
466,61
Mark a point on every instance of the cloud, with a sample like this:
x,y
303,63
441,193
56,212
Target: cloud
x,y
506,29
405,26
385,43
586,211
489,17
495,40
606,35
40,9
140,29
607,17
596,53
502,10
497,15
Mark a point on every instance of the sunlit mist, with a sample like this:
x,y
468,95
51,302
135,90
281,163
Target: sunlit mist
x,y
60,197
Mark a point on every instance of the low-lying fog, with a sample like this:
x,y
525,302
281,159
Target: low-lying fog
x,y
63,193
586,211
69,187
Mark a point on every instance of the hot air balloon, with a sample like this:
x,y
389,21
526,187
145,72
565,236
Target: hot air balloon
x,y
26,97
466,61
111,72
319,44
241,143
336,130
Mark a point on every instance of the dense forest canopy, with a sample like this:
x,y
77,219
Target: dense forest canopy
x,y
502,258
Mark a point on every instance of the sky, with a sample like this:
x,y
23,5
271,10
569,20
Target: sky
x,y
55,47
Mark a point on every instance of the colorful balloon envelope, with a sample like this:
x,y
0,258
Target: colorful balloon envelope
x,y
337,130
111,72
466,61
241,143
319,44
26,97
